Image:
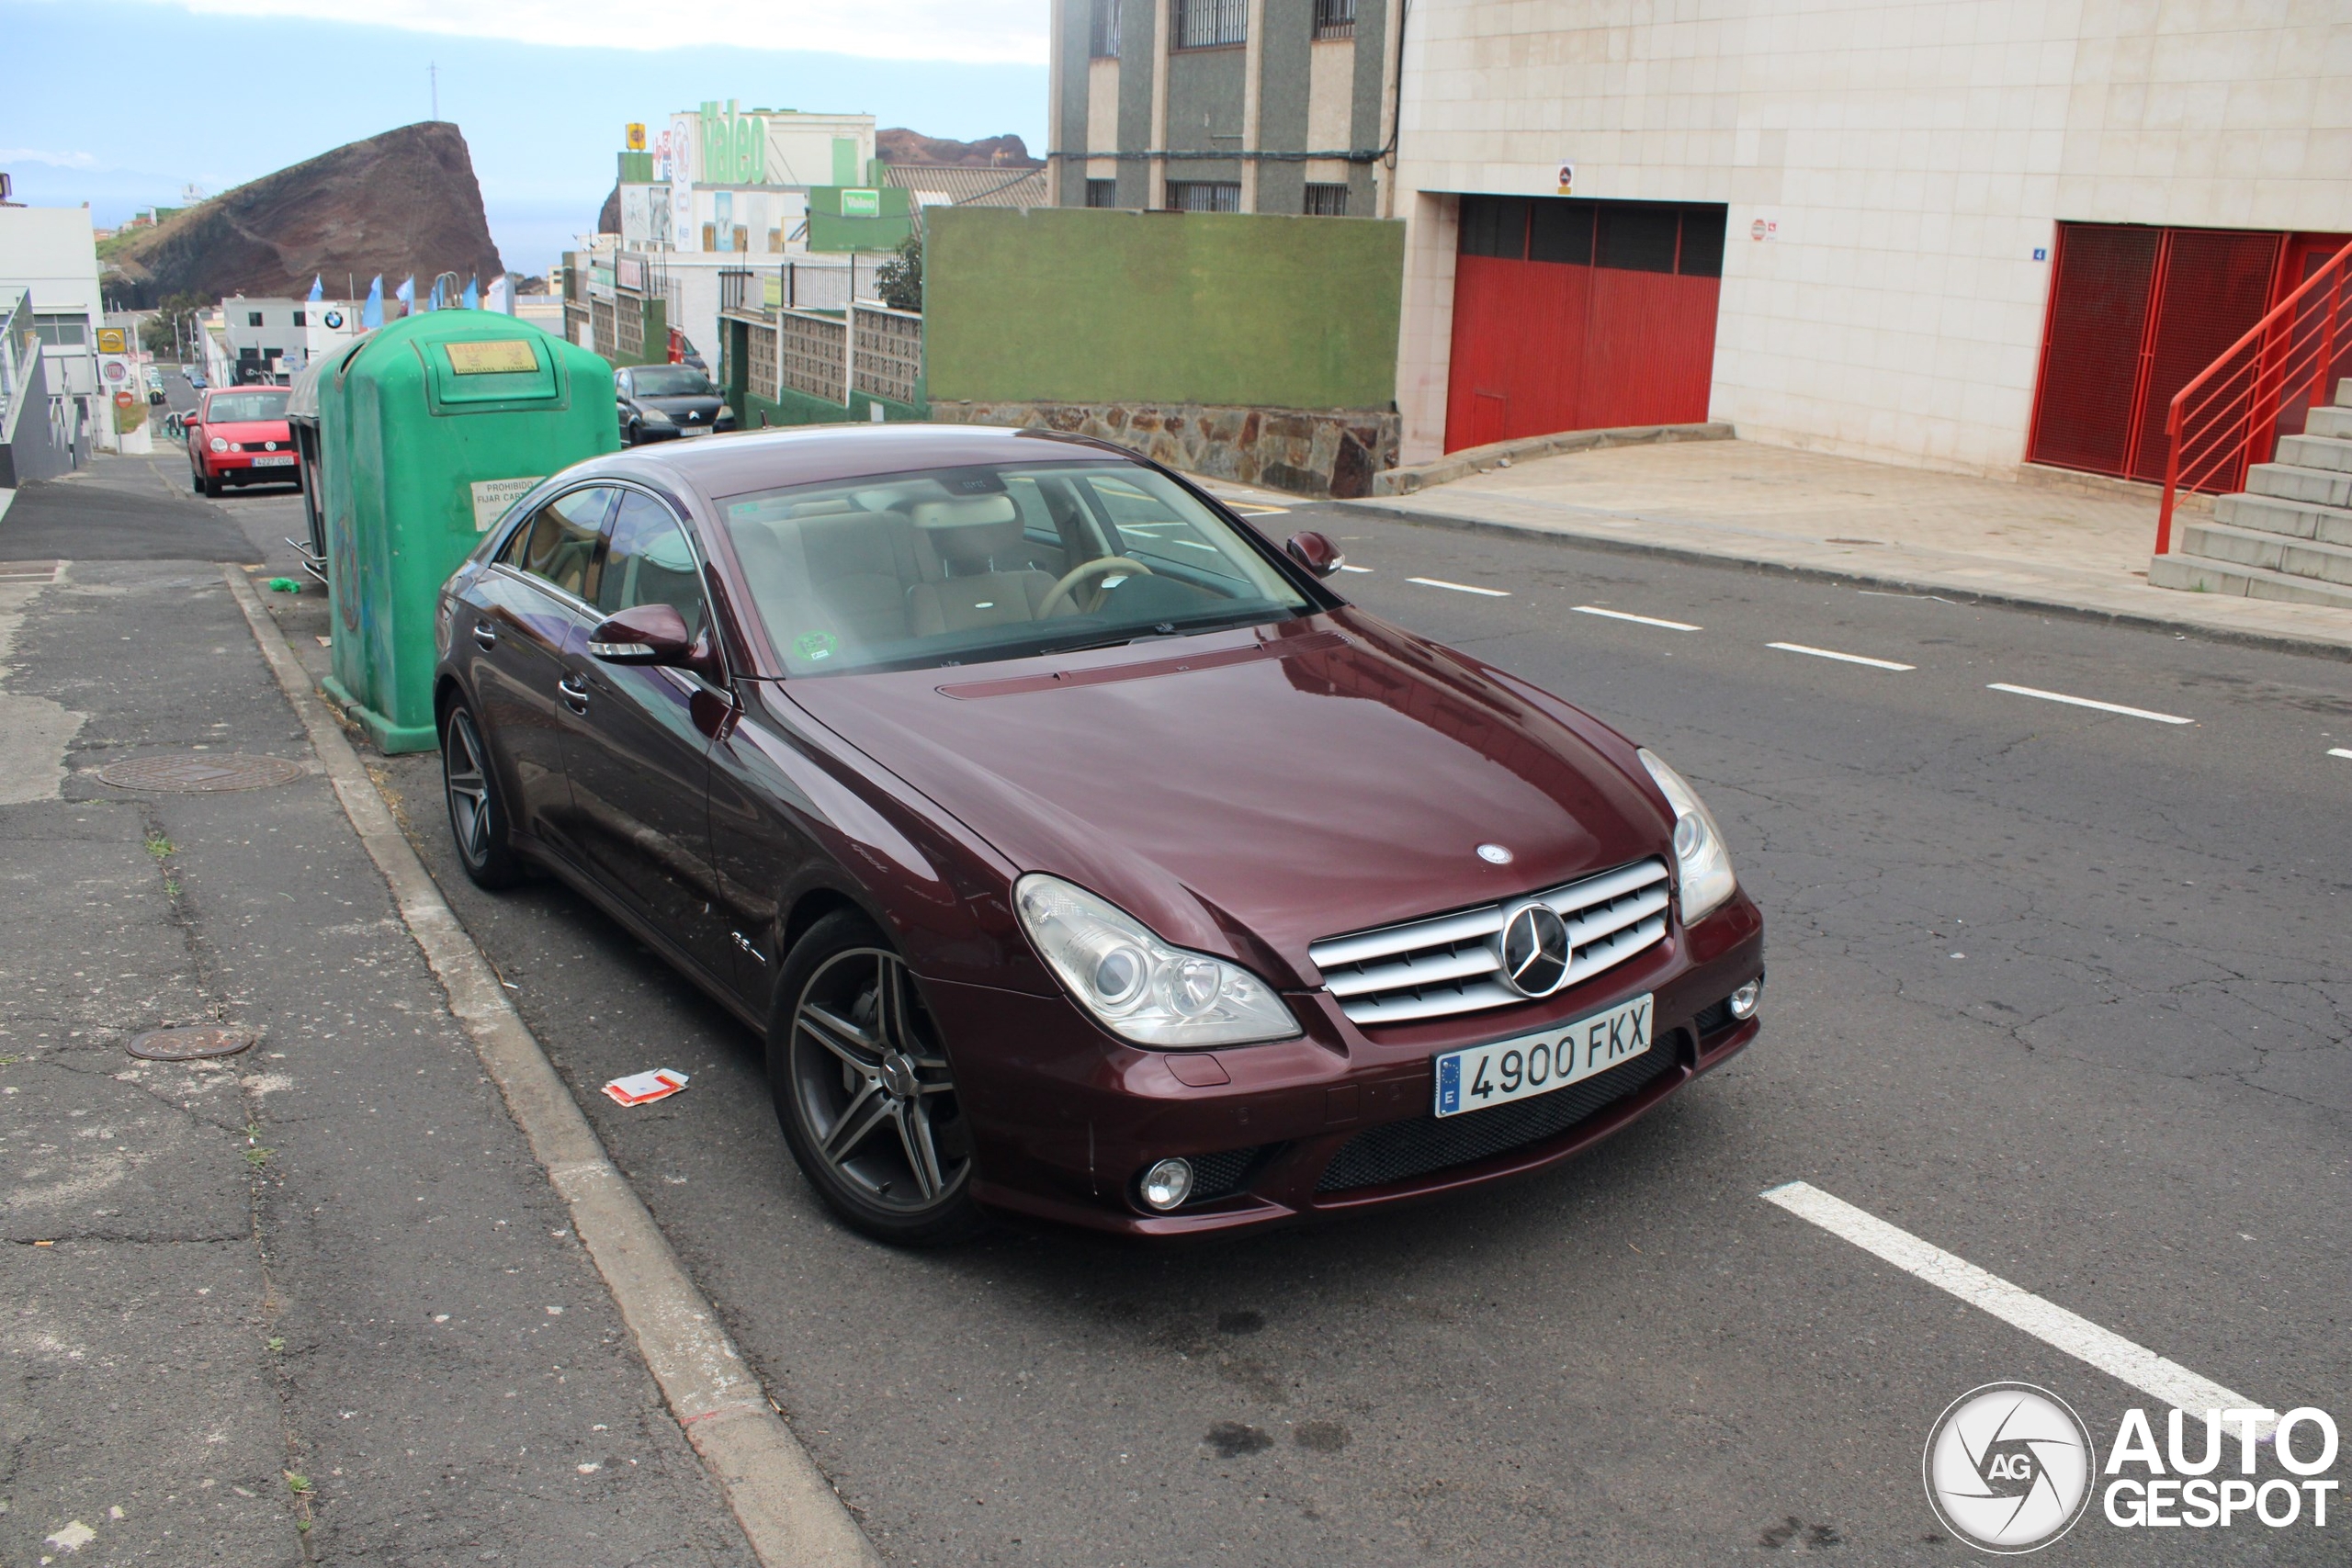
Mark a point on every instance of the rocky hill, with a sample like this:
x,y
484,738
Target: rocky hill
x,y
400,203
903,146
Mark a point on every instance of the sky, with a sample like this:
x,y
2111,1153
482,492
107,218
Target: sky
x,y
218,91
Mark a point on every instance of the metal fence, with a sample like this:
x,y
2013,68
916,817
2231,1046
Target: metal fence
x,y
830,285
889,352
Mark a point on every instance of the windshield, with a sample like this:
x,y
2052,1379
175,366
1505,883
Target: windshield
x,y
231,406
961,566
671,381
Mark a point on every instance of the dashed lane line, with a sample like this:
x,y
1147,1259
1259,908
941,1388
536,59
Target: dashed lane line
x,y
1841,657
1344,566
1460,587
2053,1325
2340,751
2088,703
1637,620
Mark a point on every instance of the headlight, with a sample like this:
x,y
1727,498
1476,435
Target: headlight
x,y
1138,985
726,416
1701,861
655,416
219,444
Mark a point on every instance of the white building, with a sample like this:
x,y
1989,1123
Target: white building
x,y
51,253
730,181
1969,233
272,340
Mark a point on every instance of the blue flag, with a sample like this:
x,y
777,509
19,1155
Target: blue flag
x,y
472,299
372,316
318,287
406,293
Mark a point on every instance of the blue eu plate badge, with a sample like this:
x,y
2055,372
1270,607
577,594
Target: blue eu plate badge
x,y
1449,1085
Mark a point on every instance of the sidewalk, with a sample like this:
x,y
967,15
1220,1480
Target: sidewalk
x,y
314,1303
2041,544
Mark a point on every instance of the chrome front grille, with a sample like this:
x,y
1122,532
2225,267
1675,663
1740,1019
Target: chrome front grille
x,y
1448,963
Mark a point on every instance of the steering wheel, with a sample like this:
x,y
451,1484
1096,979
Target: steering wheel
x,y
1079,573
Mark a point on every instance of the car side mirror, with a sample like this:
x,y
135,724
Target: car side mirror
x,y
643,634
1316,553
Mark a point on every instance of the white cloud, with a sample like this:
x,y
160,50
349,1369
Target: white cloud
x,y
56,160
977,31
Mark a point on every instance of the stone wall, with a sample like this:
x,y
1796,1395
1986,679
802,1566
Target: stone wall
x,y
1326,454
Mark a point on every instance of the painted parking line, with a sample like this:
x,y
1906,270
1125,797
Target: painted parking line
x,y
2086,702
1841,657
1459,587
2345,751
2053,1325
1637,620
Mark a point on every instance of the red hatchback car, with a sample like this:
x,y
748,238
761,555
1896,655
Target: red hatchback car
x,y
239,435
1077,851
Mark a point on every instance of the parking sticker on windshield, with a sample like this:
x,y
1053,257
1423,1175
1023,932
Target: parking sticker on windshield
x,y
814,646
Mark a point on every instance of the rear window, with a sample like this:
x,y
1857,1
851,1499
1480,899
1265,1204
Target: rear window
x,y
234,407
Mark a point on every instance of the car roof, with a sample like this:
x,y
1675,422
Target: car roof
x,y
721,466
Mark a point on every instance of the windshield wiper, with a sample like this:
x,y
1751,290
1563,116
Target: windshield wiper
x,y
1163,629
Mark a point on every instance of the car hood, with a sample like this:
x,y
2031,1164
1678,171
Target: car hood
x,y
1252,792
704,404
252,430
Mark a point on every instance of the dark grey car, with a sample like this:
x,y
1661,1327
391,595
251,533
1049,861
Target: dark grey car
x,y
660,403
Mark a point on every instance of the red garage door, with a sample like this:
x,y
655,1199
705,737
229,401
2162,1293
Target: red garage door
x,y
1581,315
2136,314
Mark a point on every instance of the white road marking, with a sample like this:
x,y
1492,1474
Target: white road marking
x,y
1841,657
2053,1325
1637,620
1344,566
2088,703
1459,587
2340,751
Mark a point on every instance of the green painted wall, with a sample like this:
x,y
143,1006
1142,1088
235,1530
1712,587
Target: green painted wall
x,y
1071,305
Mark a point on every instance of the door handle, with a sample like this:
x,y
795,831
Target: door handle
x,y
484,636
576,693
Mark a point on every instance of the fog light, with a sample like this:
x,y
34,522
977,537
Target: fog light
x,y
1744,1001
1167,1184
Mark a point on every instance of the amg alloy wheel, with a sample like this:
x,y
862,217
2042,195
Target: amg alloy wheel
x,y
477,818
863,1091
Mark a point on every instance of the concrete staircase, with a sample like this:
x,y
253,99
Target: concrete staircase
x,y
2289,534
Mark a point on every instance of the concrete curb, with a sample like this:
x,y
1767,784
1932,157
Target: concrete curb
x,y
787,1508
1409,477
2329,644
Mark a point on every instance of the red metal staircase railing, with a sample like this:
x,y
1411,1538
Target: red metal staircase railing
x,y
2231,415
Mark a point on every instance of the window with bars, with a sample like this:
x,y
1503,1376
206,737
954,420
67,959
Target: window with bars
x,y
1103,36
1211,24
1204,195
1326,200
1335,19
1102,193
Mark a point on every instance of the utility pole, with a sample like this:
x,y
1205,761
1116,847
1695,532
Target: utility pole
x,y
432,75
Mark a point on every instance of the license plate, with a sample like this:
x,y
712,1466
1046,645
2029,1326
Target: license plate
x,y
1480,1076
280,462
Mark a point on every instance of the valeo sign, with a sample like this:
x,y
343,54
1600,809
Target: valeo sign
x,y
734,146
861,203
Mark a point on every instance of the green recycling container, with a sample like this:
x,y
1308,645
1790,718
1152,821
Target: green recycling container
x,y
428,431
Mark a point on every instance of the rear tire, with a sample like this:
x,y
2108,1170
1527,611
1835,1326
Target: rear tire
x,y
477,816
863,1092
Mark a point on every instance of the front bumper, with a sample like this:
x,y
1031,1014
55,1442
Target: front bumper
x,y
243,466
1064,1118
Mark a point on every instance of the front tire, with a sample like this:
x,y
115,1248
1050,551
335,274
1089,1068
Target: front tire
x,y
212,487
863,1091
478,820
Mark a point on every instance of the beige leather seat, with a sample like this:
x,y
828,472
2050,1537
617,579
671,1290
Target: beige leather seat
x,y
958,544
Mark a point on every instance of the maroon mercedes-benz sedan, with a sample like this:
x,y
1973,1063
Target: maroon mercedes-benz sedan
x,y
1078,851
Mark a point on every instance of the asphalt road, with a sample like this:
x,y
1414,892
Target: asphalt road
x,y
2061,990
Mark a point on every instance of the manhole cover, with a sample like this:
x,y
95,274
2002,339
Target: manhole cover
x,y
191,1044
189,774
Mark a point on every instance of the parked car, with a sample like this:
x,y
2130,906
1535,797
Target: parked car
x,y
195,377
1078,851
662,402
238,436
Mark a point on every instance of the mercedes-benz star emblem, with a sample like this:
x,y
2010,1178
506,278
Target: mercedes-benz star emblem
x,y
1493,854
1534,950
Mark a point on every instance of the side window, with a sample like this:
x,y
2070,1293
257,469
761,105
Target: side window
x,y
649,562
561,542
